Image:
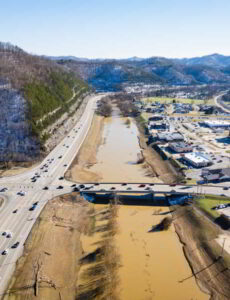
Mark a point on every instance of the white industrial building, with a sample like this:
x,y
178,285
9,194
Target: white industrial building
x,y
216,123
197,159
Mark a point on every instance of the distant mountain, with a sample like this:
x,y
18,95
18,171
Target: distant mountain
x,y
213,60
113,74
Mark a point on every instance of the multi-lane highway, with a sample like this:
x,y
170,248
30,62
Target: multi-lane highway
x,y
26,194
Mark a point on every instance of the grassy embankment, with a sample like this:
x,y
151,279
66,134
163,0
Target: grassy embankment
x,y
167,100
208,202
43,98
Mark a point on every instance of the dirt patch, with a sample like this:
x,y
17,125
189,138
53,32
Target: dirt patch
x,y
86,157
11,168
50,262
208,262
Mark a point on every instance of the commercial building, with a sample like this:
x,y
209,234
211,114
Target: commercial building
x,y
180,147
216,175
169,137
197,159
216,124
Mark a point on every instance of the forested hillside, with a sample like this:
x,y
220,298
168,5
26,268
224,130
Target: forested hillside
x,y
34,93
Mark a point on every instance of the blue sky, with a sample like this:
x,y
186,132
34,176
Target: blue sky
x,y
117,28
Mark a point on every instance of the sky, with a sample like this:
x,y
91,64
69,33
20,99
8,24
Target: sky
x,y
117,28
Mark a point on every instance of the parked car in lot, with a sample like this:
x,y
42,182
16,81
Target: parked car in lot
x,y
220,206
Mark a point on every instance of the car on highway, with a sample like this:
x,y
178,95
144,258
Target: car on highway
x,y
225,188
61,178
123,184
15,211
32,208
4,233
73,185
21,193
59,187
81,186
141,185
9,235
65,165
15,245
75,189
3,190
4,252
45,188
60,156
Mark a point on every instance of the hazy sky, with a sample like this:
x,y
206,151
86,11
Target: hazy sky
x,y
117,28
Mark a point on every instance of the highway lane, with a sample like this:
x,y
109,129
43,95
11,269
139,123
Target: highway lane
x,y
21,222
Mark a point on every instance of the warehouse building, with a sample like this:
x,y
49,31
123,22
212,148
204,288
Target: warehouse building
x,y
180,147
197,159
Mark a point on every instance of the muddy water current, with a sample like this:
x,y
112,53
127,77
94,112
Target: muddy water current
x,y
152,264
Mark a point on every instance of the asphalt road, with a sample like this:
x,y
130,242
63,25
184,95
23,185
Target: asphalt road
x,y
20,223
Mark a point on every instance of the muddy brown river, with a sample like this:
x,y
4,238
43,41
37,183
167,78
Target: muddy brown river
x,y
152,264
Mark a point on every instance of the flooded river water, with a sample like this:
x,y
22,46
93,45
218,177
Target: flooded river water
x,y
152,264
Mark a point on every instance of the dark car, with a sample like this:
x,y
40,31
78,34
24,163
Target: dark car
x,y
123,184
60,156
225,188
59,187
61,178
141,185
81,186
75,189
14,211
45,188
15,245
73,185
4,252
3,190
32,208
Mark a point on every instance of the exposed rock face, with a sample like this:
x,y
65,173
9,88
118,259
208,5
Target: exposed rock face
x,y
16,142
